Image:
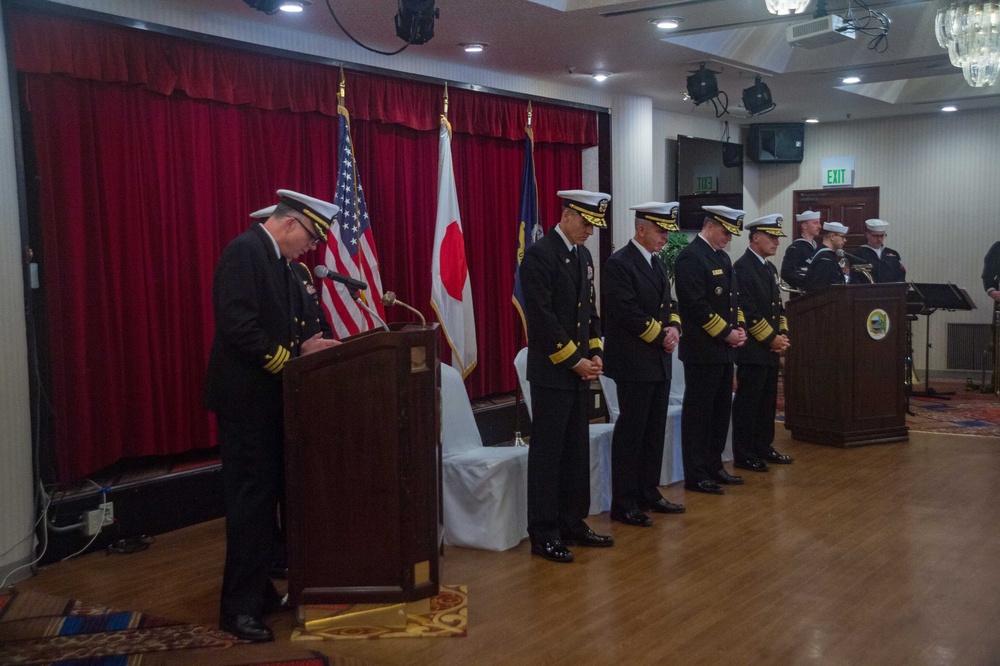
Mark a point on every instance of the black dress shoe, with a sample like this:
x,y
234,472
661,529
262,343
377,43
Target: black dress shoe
x,y
631,517
589,538
752,465
661,505
554,551
247,627
773,456
722,476
706,486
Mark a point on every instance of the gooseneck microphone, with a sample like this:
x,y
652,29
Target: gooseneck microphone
x,y
389,298
322,271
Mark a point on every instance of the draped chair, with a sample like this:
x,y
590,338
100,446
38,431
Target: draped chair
x,y
600,444
484,488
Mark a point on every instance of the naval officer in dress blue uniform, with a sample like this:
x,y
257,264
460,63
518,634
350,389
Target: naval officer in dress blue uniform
x,y
641,330
564,356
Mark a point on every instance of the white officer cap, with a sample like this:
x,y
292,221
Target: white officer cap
x,y
590,205
877,225
835,227
806,216
319,212
263,213
769,223
661,214
730,218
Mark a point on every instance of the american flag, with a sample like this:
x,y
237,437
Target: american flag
x,y
350,248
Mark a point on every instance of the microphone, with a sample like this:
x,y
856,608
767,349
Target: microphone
x,y
389,298
322,271
851,258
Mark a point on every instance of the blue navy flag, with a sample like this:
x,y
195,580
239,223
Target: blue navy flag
x,y
529,228
350,247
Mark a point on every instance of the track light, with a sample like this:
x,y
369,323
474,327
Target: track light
x,y
415,21
702,86
757,98
273,6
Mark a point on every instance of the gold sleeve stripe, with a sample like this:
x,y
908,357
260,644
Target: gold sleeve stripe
x,y
675,318
783,325
761,330
651,332
563,353
715,325
281,357
739,316
596,343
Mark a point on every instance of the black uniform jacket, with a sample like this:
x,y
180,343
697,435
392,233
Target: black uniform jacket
x,y
761,304
887,269
635,297
707,300
824,270
264,309
991,268
793,265
559,309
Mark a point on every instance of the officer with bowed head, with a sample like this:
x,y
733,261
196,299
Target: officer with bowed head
x,y
795,262
825,267
886,263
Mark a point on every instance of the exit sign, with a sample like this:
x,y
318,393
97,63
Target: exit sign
x,y
837,172
706,179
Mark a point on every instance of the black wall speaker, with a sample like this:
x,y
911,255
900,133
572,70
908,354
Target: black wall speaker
x,y
776,143
732,155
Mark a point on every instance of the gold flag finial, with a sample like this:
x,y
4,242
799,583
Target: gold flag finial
x,y
445,99
529,113
341,90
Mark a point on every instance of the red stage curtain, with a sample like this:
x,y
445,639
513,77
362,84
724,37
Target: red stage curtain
x,y
141,191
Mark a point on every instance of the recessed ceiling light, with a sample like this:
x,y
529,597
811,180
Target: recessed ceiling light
x,y
851,79
812,121
293,6
474,48
949,109
601,76
667,22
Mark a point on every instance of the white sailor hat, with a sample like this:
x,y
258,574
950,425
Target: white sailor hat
x,y
805,216
730,218
590,205
661,214
319,212
835,227
770,224
877,225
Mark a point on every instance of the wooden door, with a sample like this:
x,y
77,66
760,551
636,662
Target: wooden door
x,y
850,206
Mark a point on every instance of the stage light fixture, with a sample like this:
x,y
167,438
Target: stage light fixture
x,y
266,6
415,21
757,98
702,85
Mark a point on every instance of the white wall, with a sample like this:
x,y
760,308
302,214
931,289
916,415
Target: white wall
x,y
15,425
937,176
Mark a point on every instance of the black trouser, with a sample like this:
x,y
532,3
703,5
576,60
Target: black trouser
x,y
708,397
253,469
558,463
753,410
637,445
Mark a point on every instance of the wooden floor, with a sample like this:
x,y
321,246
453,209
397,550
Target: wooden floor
x,y
878,555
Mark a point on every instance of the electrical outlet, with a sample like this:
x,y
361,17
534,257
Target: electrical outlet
x,y
109,513
92,522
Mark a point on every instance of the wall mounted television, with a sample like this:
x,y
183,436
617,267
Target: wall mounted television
x,y
708,173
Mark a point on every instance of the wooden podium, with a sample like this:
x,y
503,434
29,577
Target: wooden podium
x,y
362,469
845,373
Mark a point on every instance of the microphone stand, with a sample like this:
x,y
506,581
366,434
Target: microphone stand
x,y
357,299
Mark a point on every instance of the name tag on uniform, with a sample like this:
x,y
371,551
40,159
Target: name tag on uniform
x,y
717,271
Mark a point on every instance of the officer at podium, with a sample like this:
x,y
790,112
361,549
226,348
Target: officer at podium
x,y
825,268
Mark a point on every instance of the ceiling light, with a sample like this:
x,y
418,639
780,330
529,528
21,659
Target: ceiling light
x,y
785,7
667,23
473,48
949,109
757,98
851,79
702,86
971,33
812,121
291,6
601,76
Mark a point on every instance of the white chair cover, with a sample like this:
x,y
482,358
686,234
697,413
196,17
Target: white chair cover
x,y
600,444
484,489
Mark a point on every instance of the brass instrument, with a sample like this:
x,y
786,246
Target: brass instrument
x,y
864,269
787,288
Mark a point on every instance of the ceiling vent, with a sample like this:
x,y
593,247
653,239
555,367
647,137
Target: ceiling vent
x,y
825,31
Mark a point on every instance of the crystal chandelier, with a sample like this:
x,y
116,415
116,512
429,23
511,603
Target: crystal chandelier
x,y
971,33
785,7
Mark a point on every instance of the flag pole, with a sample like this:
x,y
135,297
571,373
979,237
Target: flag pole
x,y
518,440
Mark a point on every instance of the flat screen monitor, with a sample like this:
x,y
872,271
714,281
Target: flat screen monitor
x,y
709,173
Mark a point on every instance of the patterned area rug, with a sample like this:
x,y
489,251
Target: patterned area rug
x,y
37,628
448,617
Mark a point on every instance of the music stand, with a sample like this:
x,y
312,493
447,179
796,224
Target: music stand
x,y
934,297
